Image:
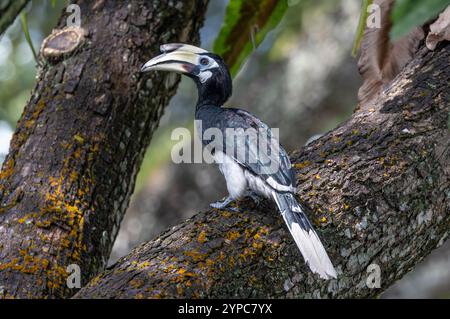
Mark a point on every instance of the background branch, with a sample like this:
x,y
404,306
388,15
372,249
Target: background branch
x,y
9,10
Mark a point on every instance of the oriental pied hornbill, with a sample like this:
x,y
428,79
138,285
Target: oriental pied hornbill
x,y
251,170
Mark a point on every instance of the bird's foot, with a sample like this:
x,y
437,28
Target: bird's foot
x,y
223,204
257,199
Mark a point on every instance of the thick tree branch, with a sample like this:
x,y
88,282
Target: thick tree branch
x,y
379,185
9,10
68,178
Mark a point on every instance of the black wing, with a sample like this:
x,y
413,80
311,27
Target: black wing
x,y
258,150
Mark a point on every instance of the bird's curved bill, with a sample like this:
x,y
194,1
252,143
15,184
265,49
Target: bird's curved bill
x,y
176,57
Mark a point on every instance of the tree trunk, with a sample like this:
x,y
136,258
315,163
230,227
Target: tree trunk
x,y
379,186
9,9
67,181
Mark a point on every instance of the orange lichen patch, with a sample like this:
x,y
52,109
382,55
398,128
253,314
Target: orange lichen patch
x,y
231,262
63,209
95,280
195,255
221,256
302,164
257,245
252,279
94,148
232,235
202,237
27,263
25,218
73,176
264,230
317,176
143,265
226,214
9,265
44,263
247,253
183,276
137,283
7,170
56,276
65,145
180,290
210,262
168,268
38,110
77,153
248,233
29,124
79,138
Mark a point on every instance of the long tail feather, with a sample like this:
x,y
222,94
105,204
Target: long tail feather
x,y
304,235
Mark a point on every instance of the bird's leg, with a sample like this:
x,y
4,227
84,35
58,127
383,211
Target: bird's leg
x,y
222,204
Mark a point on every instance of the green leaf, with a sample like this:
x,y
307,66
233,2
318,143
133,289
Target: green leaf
x,y
246,24
26,31
361,26
408,14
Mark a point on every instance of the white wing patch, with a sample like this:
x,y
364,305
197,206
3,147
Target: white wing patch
x,y
279,187
256,184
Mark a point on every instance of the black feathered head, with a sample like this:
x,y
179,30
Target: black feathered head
x,y
208,70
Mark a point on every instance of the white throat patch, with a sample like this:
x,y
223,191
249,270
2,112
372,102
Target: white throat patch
x,y
204,76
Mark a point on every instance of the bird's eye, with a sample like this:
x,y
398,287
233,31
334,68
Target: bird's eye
x,y
204,61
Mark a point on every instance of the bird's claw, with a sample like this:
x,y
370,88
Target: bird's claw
x,y
254,197
223,204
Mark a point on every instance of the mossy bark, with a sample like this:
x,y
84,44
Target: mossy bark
x,y
379,187
67,181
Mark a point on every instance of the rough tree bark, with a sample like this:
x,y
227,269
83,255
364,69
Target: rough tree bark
x,y
9,9
379,186
67,180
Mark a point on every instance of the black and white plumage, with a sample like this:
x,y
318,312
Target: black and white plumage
x,y
253,161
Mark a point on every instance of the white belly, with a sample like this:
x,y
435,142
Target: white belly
x,y
238,179
234,174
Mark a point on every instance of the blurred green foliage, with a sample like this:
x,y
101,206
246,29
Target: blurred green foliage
x,y
26,31
17,66
246,24
408,14
361,26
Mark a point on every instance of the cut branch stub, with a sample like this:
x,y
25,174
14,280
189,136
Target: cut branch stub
x,y
62,42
